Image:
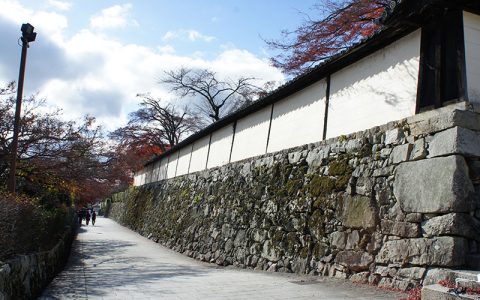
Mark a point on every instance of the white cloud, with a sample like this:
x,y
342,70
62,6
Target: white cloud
x,y
60,5
113,17
190,35
167,49
89,73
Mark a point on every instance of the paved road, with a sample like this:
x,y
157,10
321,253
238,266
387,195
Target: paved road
x,y
109,261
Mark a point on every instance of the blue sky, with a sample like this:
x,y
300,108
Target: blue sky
x,y
93,57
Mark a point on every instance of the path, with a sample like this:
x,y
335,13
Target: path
x,y
109,261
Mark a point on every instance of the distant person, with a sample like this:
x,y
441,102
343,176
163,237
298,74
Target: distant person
x,y
94,217
80,217
88,217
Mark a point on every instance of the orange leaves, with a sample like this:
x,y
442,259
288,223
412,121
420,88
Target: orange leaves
x,y
343,23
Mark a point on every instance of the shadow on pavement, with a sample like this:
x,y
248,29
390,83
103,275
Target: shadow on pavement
x,y
96,267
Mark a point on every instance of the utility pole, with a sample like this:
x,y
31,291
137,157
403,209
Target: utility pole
x,y
27,36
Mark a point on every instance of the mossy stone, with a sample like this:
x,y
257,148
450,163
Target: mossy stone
x,y
340,167
321,185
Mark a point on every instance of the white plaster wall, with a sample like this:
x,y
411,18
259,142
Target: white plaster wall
x,y
199,154
156,171
377,89
298,119
163,169
220,147
472,52
251,135
172,164
148,173
184,160
139,178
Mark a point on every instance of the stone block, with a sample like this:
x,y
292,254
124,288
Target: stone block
x,y
453,224
443,118
354,260
401,153
394,136
418,151
353,240
354,145
364,186
315,158
359,212
270,252
338,239
439,251
361,277
438,292
456,140
437,185
385,152
416,273
385,271
401,229
294,157
413,218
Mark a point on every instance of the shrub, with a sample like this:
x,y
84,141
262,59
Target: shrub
x,y
26,226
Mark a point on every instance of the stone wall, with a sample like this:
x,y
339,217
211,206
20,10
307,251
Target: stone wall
x,y
25,276
383,206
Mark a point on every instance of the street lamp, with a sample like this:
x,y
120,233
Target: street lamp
x,y
28,35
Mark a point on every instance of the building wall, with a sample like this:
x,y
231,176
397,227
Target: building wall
x,y
251,135
200,154
472,52
163,169
172,165
139,178
149,174
156,171
298,119
184,160
375,90
220,147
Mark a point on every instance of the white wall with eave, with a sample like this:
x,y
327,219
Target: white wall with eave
x,y
298,119
377,89
172,165
472,52
184,160
251,135
199,154
220,147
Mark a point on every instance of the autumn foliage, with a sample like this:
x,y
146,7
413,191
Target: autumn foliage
x,y
340,24
58,162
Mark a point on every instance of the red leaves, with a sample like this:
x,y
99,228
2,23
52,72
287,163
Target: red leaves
x,y
345,23
414,294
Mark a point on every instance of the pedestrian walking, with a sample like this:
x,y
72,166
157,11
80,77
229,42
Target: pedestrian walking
x,y
88,217
94,217
80,217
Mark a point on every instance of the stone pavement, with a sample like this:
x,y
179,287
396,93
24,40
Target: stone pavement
x,y
109,261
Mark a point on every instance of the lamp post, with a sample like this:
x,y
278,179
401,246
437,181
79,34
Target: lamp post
x,y
27,36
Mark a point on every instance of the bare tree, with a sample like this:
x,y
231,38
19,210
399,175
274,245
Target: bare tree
x,y
157,125
217,98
